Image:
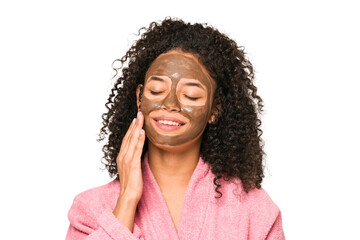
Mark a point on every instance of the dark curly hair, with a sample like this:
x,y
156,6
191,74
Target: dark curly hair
x,y
232,146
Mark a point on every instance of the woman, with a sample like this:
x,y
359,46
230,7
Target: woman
x,y
195,170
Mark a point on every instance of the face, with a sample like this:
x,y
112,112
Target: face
x,y
177,99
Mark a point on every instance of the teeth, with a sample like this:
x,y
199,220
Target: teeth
x,y
169,123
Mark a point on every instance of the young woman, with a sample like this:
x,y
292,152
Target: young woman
x,y
190,165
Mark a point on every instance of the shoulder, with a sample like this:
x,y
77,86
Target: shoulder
x,y
261,203
100,194
90,204
257,202
256,208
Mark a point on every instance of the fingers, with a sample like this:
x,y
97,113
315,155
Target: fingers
x,y
129,130
135,128
139,145
134,137
129,159
131,138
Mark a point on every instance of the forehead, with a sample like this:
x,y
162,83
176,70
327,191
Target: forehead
x,y
176,65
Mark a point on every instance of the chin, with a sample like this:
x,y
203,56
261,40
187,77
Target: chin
x,y
194,143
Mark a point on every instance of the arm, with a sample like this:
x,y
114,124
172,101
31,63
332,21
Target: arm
x,y
125,211
85,226
118,224
129,167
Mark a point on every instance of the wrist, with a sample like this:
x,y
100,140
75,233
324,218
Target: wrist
x,y
128,199
125,203
125,210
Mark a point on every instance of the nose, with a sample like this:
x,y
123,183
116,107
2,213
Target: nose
x,y
171,102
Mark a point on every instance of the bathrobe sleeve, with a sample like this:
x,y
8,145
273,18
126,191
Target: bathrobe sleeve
x,y
276,232
86,224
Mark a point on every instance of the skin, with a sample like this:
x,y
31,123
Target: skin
x,y
129,168
172,83
172,155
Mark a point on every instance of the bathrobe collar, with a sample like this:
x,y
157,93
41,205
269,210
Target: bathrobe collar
x,y
196,203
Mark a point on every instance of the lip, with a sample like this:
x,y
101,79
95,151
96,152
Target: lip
x,y
167,118
167,128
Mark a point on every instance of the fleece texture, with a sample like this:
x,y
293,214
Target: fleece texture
x,y
236,215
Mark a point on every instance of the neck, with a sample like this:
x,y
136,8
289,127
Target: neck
x,y
172,168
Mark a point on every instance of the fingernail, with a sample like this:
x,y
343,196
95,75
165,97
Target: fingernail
x,y
133,120
138,114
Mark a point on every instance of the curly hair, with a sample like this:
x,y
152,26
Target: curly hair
x,y
232,145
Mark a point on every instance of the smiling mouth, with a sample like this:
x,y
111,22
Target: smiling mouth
x,y
170,123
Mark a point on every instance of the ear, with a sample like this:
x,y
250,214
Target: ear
x,y
215,112
212,119
139,92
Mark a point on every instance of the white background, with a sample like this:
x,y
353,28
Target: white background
x,y
55,61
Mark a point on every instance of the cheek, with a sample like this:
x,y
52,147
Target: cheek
x,y
198,114
202,111
148,106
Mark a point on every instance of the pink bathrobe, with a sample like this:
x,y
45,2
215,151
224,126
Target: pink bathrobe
x,y
236,215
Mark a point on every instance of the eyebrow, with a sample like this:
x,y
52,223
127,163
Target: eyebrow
x,y
156,78
161,79
194,84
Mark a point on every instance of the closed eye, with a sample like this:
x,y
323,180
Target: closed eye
x,y
156,93
192,98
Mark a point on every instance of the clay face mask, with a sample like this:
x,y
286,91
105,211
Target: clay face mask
x,y
177,99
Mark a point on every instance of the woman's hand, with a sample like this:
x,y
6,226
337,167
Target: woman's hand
x,y
129,160
129,167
